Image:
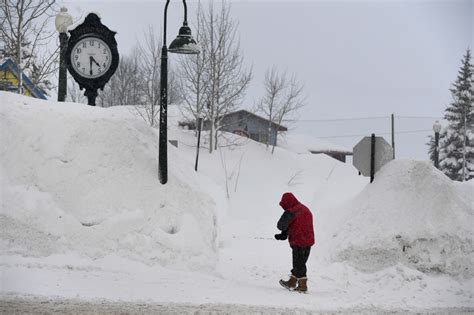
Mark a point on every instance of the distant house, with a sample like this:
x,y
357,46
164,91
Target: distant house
x,y
304,144
9,77
336,154
247,124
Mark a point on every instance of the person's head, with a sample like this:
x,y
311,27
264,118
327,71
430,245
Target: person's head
x,y
288,200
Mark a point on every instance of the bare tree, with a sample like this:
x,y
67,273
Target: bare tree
x,y
25,34
227,77
74,93
150,69
283,97
217,78
125,86
150,53
193,79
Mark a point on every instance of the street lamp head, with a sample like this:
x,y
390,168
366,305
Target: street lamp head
x,y
437,127
184,43
63,21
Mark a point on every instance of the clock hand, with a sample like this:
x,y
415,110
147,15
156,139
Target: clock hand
x,y
90,59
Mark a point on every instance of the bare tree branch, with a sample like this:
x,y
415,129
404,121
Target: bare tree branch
x,y
214,83
283,96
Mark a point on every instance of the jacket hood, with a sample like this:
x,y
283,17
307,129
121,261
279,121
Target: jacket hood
x,y
288,201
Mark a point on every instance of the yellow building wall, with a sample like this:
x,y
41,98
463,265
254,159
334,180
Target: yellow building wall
x,y
10,77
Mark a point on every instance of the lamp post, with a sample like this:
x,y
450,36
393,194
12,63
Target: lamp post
x,y
183,44
63,21
437,130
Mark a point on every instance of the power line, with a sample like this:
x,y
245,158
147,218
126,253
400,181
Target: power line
x,y
419,117
338,119
379,133
361,118
415,131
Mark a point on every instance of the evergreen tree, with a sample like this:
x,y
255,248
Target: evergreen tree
x,y
457,146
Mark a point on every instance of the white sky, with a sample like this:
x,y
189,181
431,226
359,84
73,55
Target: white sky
x,y
356,58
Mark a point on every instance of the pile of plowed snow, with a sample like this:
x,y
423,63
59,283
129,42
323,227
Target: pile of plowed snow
x,y
411,214
84,179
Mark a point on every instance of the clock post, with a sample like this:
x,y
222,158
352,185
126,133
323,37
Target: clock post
x,y
92,56
91,96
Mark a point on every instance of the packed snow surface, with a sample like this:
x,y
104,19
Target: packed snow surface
x,y
83,216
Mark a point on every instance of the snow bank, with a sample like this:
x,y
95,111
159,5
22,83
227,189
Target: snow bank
x,y
84,179
411,214
79,185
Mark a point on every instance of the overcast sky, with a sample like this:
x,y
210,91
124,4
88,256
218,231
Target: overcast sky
x,y
357,59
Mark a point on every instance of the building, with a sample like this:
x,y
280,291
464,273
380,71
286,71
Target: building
x,y
335,154
250,125
304,144
9,77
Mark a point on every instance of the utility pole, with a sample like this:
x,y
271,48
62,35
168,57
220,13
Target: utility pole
x,y
393,135
372,157
199,142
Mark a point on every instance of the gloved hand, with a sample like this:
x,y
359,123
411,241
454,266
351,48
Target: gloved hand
x,y
282,236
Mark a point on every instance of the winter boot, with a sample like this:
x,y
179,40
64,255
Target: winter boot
x,y
302,285
290,284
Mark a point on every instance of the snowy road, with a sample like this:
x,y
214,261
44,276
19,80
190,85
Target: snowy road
x,y
39,305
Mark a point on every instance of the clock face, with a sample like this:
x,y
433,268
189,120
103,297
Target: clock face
x,y
91,57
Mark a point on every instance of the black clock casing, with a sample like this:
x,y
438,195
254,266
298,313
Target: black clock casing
x,y
92,27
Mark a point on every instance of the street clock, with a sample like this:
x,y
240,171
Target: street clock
x,y
92,56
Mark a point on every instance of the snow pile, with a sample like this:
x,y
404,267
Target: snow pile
x,y
83,216
411,214
84,179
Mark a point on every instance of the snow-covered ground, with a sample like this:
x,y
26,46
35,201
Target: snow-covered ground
x,y
84,219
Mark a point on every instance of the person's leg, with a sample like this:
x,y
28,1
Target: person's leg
x,y
291,283
305,251
302,258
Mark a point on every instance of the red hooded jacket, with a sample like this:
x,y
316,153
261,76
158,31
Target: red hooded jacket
x,y
298,222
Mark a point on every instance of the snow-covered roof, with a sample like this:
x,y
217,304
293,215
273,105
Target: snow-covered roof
x,y
243,111
300,143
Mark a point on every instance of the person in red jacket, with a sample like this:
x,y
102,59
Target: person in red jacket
x,y
296,224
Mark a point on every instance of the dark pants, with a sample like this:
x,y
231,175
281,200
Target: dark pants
x,y
300,257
